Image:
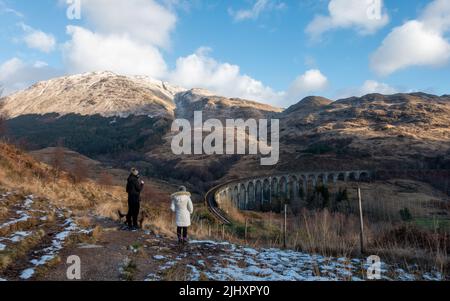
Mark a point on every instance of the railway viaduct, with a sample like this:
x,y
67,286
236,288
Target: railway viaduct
x,y
260,192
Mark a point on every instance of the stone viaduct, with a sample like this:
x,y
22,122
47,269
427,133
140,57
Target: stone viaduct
x,y
260,192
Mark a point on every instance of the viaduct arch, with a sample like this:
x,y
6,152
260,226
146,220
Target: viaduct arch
x,y
259,193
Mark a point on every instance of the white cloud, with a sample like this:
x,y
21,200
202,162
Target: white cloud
x,y
88,51
37,39
122,36
200,70
10,67
366,16
255,11
311,81
40,64
411,44
16,74
4,9
420,42
372,86
146,21
437,15
368,87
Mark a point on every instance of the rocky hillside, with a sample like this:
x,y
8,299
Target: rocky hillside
x,y
219,107
307,106
103,93
110,95
402,130
380,132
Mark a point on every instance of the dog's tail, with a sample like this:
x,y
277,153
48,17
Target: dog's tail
x,y
121,215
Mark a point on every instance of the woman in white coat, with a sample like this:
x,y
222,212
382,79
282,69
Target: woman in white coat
x,y
183,208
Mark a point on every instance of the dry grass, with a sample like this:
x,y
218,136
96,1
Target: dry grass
x,y
177,272
11,254
234,213
325,233
30,223
3,212
336,234
21,172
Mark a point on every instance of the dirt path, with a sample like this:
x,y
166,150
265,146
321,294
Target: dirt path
x,y
119,254
113,251
141,255
37,239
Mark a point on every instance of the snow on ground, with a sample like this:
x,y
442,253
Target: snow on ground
x,y
27,274
23,215
22,218
50,253
41,257
28,202
19,236
230,262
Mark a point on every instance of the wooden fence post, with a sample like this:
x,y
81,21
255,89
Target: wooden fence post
x,y
285,227
245,233
361,220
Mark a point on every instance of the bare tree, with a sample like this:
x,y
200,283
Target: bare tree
x,y
80,171
57,160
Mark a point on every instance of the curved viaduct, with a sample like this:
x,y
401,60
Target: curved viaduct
x,y
262,193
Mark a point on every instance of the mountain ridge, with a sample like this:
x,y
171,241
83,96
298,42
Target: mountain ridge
x,y
104,93
112,95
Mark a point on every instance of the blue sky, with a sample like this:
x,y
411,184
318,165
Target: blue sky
x,y
274,51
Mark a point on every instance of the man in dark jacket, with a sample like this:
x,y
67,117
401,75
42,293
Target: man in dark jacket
x,y
134,188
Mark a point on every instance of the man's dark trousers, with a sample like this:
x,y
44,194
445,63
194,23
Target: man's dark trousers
x,y
133,213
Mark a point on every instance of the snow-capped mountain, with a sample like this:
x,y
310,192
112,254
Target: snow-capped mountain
x,y
104,93
110,95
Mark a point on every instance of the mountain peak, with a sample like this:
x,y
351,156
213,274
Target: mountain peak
x,y
309,104
103,92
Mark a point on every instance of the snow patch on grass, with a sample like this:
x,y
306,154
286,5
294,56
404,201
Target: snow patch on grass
x,y
19,236
237,263
51,252
23,218
27,274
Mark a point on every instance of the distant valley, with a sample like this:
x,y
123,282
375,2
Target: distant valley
x,y
124,121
